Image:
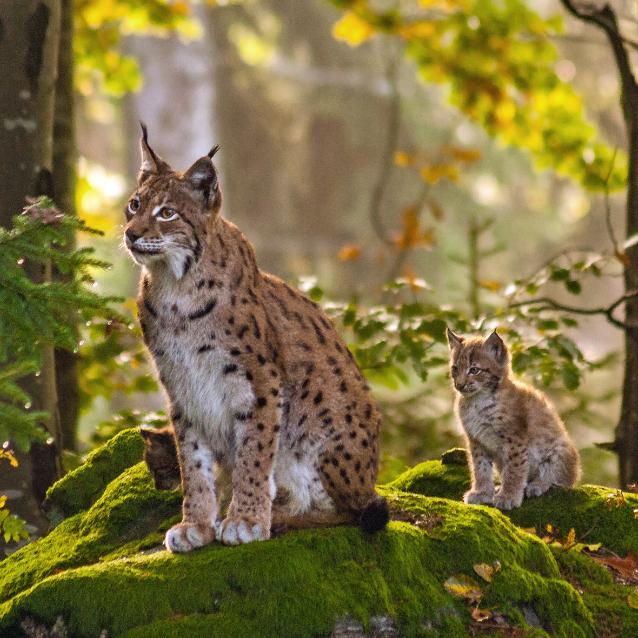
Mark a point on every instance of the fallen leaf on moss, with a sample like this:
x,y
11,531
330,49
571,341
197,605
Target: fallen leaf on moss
x,y
626,568
463,586
480,615
486,571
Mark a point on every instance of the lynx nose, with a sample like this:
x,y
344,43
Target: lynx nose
x,y
131,235
460,386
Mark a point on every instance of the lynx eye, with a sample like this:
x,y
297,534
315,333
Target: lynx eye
x,y
474,370
133,206
166,214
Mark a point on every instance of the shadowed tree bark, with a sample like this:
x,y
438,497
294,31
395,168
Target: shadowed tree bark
x,y
29,40
64,178
626,439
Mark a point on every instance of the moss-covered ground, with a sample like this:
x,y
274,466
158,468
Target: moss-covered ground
x,y
102,567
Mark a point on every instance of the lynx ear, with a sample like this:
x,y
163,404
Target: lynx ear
x,y
453,339
152,163
202,177
148,434
496,347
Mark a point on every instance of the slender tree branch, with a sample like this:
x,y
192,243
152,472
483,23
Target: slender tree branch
x,y
605,18
547,303
391,141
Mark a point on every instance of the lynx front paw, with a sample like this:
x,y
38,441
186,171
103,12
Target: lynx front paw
x,y
474,497
505,501
236,530
185,537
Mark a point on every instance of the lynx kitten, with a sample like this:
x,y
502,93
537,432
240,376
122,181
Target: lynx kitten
x,y
260,384
508,424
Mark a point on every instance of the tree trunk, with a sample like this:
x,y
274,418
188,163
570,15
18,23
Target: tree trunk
x,y
64,178
29,40
627,431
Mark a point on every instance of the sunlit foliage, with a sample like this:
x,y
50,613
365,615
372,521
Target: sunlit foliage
x,y
498,62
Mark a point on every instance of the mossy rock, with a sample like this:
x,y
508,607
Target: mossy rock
x,y
83,486
104,568
592,511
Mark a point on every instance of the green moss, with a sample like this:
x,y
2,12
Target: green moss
x,y
92,570
129,509
103,568
586,508
606,599
80,488
297,585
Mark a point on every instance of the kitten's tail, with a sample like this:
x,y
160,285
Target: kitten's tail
x,y
375,515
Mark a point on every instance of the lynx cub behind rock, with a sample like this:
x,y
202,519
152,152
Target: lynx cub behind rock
x,y
259,382
508,424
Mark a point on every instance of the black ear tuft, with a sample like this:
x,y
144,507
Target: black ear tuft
x,y
152,163
213,151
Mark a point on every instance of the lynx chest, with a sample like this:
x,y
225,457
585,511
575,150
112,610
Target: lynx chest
x,y
197,371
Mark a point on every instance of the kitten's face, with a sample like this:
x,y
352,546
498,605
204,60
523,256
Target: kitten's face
x,y
160,455
477,365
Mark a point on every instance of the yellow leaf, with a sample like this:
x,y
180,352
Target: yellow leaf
x,y
486,571
411,234
352,29
416,283
632,599
420,29
466,155
9,456
571,538
529,530
436,172
401,158
3,500
349,252
490,284
463,586
480,615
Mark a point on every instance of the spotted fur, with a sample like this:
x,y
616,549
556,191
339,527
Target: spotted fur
x,y
508,424
259,382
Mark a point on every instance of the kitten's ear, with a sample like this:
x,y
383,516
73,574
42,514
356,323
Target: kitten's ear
x,y
453,339
148,434
152,163
202,177
495,346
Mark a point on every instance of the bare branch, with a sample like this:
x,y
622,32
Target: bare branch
x,y
605,18
547,303
391,142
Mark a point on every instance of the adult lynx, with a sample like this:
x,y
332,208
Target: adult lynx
x,y
258,380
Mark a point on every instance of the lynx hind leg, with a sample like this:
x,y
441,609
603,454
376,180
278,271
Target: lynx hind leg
x,y
560,469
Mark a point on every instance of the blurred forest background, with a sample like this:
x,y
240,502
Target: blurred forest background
x,y
407,163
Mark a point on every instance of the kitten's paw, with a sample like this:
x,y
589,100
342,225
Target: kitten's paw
x,y
474,497
536,489
504,501
236,530
185,537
